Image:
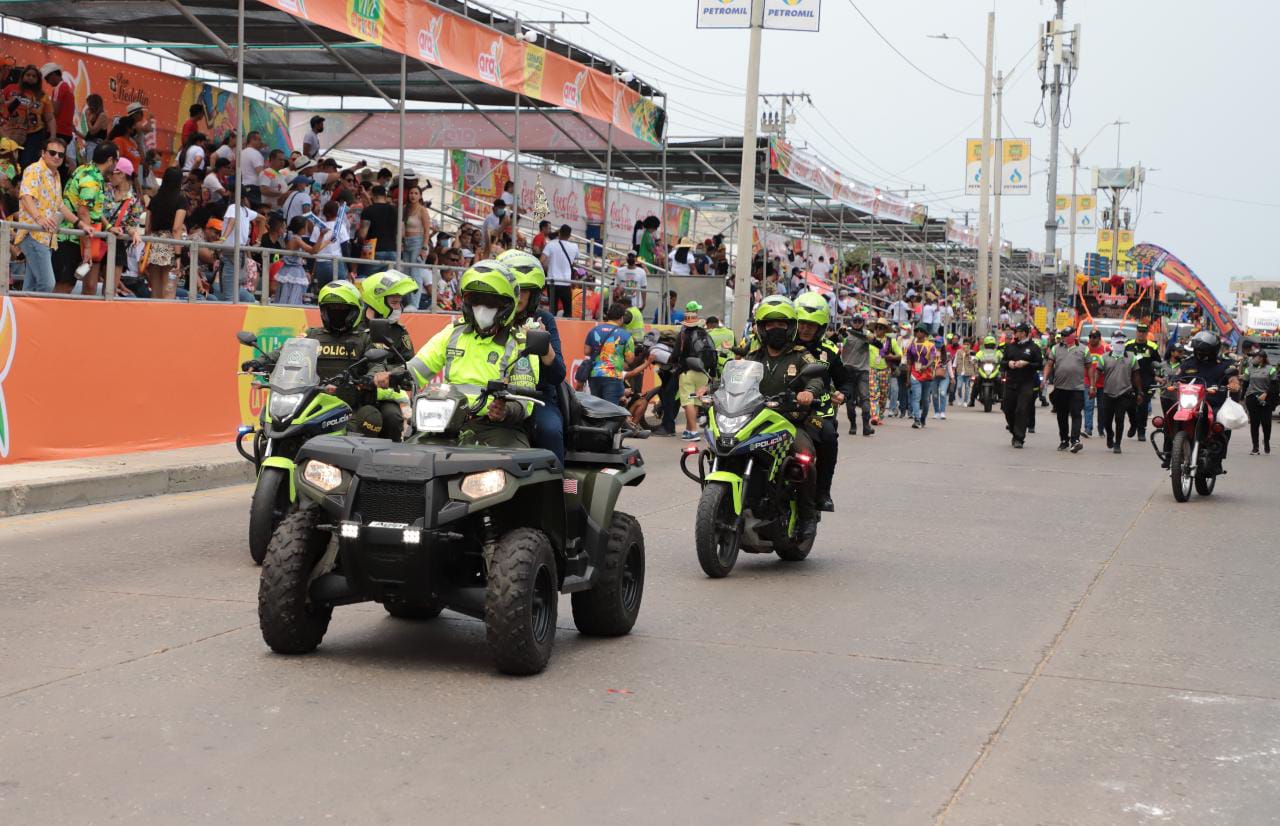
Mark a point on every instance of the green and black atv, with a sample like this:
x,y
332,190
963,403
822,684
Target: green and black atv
x,y
493,533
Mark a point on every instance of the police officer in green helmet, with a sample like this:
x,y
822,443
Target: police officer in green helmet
x,y
483,346
813,318
775,347
344,340
548,420
384,295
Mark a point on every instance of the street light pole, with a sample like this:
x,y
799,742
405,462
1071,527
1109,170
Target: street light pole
x,y
747,178
997,183
1055,118
982,303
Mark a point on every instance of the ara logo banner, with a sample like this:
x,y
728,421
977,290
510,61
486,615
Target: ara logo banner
x,y
429,40
489,63
8,347
572,91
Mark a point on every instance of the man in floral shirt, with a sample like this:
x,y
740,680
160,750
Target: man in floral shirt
x,y
42,204
85,195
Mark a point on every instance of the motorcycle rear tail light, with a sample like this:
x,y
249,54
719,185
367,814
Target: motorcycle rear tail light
x,y
690,449
1218,428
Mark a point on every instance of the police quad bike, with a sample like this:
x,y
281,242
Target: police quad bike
x,y
987,383
297,409
749,477
1194,441
433,523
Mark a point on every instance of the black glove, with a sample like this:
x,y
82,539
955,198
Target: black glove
x,y
251,366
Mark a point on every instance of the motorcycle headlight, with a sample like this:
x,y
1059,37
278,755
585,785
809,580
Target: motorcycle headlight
x,y
1188,401
728,425
433,415
322,475
485,483
283,405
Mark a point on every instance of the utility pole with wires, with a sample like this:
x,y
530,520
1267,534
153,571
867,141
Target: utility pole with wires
x,y
997,182
1061,50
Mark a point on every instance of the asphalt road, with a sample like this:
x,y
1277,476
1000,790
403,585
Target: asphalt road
x,y
981,636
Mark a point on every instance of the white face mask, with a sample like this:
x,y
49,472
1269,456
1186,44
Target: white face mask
x,y
1117,348
394,315
484,316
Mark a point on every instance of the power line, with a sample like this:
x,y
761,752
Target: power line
x,y
899,53
1217,197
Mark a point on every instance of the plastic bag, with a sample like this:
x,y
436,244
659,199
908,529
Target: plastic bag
x,y
1232,415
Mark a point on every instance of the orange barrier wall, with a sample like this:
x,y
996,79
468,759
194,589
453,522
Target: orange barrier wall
x,y
88,378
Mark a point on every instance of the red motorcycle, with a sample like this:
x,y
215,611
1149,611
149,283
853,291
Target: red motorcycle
x,y
1194,443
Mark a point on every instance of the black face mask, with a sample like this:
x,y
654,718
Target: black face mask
x,y
776,338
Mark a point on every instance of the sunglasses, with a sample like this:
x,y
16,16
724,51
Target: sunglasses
x,y
53,153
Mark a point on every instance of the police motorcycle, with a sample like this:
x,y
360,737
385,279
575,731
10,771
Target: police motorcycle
x,y
748,475
297,409
433,523
987,378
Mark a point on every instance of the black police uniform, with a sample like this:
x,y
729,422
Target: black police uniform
x,y
827,436
1020,385
779,371
338,351
1148,355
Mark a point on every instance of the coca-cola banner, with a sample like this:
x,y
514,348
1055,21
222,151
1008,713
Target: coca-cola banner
x,y
575,203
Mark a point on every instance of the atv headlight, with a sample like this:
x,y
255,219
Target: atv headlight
x,y
322,475
433,415
283,405
486,483
729,425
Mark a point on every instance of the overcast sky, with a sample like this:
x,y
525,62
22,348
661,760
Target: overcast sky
x,y
1194,86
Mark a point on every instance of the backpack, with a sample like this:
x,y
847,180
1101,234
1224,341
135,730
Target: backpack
x,y
699,344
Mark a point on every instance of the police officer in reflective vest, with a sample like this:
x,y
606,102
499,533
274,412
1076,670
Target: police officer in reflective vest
x,y
481,347
775,347
813,317
1148,356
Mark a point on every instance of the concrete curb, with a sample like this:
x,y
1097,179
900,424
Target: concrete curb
x,y
115,486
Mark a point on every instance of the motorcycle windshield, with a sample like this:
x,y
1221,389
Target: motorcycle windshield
x,y
739,391
296,367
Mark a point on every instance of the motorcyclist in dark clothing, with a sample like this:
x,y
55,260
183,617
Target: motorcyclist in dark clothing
x,y
783,359
1022,362
344,339
1220,377
813,317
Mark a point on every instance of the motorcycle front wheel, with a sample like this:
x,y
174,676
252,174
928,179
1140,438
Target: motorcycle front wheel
x,y
270,504
986,399
716,534
1181,474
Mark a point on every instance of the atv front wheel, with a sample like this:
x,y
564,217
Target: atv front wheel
x,y
521,601
291,623
611,607
716,533
415,611
270,503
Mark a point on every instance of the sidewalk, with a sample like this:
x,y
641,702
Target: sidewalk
x,y
31,487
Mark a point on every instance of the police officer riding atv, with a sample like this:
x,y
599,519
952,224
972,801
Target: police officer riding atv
x,y
465,515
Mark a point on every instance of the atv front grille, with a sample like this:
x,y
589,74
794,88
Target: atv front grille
x,y
378,501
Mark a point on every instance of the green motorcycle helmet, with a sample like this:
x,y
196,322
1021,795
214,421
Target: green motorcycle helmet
x,y
376,288
813,308
488,284
529,276
990,341
775,308
341,310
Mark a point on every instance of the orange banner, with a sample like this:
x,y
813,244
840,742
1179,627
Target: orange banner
x,y
90,378
470,48
167,97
